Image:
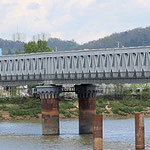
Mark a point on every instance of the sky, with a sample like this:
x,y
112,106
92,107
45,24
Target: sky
x,y
79,20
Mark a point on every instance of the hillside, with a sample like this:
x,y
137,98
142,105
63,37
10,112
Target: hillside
x,y
62,45
9,47
131,38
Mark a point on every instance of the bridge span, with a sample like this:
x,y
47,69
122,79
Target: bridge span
x,y
119,65
84,67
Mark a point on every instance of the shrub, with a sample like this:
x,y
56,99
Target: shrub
x,y
3,107
3,100
131,103
138,109
66,106
100,110
102,105
66,113
122,113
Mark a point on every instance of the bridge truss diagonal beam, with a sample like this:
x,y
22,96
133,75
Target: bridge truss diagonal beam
x,y
103,66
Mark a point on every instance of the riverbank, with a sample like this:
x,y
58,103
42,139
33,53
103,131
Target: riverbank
x,y
30,109
122,105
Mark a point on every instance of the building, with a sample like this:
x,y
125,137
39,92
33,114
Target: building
x,y
19,37
42,36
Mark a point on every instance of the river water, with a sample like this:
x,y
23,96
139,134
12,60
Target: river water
x,y
27,135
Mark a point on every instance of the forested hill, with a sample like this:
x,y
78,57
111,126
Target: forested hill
x,y
9,47
61,45
131,38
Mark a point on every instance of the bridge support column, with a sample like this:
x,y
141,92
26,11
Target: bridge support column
x,y
50,108
98,132
87,107
139,131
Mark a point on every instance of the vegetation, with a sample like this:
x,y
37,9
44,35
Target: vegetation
x,y
61,45
17,52
32,107
67,108
101,106
21,106
40,46
131,38
9,47
132,100
125,101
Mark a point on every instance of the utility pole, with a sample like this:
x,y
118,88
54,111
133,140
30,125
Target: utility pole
x,y
56,49
118,44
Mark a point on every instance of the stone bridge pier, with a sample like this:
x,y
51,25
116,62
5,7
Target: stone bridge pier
x,y
87,106
50,108
49,95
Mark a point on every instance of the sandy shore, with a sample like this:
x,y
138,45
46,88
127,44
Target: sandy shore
x,y
5,116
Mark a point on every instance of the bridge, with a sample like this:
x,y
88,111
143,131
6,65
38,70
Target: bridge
x,y
124,65
83,68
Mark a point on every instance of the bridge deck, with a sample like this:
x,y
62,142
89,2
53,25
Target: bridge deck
x,y
124,65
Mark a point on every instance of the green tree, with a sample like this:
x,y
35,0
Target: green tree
x,y
40,46
30,47
17,52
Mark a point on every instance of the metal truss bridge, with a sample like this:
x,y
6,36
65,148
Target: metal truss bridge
x,y
119,65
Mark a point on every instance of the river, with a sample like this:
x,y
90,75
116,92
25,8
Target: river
x,y
27,135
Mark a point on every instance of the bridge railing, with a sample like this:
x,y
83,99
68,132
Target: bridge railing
x,y
63,76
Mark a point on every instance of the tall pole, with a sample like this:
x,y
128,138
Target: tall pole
x,y
118,44
98,132
139,131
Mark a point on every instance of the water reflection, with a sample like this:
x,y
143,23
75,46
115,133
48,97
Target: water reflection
x,y
118,134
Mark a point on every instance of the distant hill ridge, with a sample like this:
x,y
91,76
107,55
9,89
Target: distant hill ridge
x,y
131,38
9,47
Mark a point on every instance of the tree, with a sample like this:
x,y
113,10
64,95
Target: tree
x,y
17,52
40,46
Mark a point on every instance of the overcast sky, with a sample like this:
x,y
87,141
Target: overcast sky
x,y
81,20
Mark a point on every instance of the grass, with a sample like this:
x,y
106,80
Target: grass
x,y
101,104
119,104
22,107
67,108
125,103
32,107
